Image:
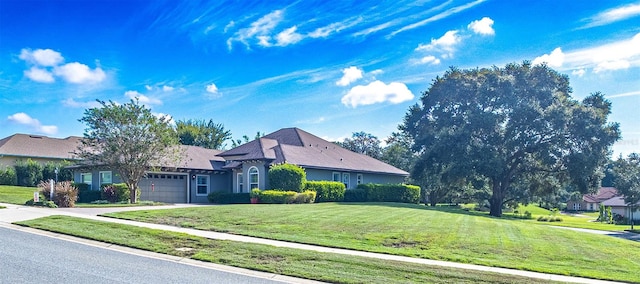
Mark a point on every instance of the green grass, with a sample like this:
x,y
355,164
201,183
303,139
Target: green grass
x,y
585,220
443,233
16,194
299,263
140,203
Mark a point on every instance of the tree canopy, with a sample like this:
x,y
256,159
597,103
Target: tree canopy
x,y
363,143
206,134
627,180
515,131
127,138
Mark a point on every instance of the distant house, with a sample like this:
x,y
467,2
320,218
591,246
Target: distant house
x,y
591,202
202,171
618,206
38,148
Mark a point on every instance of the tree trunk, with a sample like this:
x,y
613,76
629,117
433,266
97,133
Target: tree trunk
x,y
632,209
496,199
432,198
133,194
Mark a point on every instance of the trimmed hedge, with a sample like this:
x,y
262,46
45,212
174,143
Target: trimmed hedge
x,y
327,191
88,196
403,193
276,196
287,177
28,172
82,186
355,195
229,198
8,176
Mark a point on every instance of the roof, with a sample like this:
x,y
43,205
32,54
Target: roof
x,y
36,146
295,146
617,201
201,158
604,193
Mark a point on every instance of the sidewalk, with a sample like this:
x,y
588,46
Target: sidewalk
x,y
15,213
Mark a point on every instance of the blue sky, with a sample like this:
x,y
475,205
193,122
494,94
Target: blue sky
x,y
330,68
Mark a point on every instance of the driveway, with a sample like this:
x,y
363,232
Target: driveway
x,y
624,235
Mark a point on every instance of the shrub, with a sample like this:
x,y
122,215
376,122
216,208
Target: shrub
x,y
527,215
287,177
304,197
44,203
327,191
28,173
8,176
277,196
229,198
355,195
64,193
117,192
89,196
391,192
82,186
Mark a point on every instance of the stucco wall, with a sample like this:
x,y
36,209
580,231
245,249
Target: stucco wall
x,y
317,174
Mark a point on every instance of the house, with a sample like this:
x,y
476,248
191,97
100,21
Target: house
x,y
618,206
41,149
240,169
591,202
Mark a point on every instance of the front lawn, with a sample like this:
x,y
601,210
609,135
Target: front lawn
x,y
328,267
16,194
418,231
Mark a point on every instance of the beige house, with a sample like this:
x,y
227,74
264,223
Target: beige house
x,y
591,202
38,148
618,206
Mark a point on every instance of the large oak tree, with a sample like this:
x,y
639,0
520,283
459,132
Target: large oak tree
x,y
627,181
206,134
516,128
129,139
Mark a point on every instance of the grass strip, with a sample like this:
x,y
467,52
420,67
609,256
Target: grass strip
x,y
16,194
417,231
293,262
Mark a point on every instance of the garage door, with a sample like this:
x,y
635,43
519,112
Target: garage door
x,y
169,188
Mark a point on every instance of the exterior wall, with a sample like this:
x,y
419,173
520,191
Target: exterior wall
x,y
624,211
218,182
263,182
572,205
317,174
95,177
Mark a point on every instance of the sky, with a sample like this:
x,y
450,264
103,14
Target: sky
x,y
328,67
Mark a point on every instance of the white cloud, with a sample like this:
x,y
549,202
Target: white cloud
x,y
166,117
437,17
629,94
142,98
167,88
39,75
25,119
78,73
579,72
377,92
482,26
554,59
430,59
445,44
614,15
622,54
70,102
260,30
288,36
212,88
42,57
149,88
323,32
350,75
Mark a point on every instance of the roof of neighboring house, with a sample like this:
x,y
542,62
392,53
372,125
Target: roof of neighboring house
x,y
36,146
617,201
295,146
201,159
604,193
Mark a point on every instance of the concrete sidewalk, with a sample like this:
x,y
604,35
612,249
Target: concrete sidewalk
x,y
15,213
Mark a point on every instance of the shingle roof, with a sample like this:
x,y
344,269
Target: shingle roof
x,y
201,158
295,146
35,146
603,194
616,201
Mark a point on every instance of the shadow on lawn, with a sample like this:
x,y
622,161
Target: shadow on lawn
x,y
455,209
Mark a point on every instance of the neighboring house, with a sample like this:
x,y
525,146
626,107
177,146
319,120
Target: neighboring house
x,y
240,169
618,206
38,148
591,202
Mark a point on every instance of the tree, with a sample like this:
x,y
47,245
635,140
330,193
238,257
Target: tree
x,y
245,139
510,127
398,152
202,133
626,174
287,177
363,143
127,138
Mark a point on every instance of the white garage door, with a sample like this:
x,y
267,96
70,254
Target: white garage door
x,y
169,188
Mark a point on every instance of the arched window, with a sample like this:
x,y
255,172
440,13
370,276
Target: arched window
x,y
253,177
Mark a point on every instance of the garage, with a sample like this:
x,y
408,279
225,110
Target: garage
x,y
168,188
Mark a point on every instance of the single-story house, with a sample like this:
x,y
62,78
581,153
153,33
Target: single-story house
x,y
591,202
41,149
242,168
618,206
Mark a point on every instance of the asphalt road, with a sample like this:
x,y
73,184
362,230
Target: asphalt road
x,y
31,258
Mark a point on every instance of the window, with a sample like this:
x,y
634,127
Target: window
x,y
253,177
86,178
240,182
576,206
105,177
359,179
345,179
336,176
202,185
